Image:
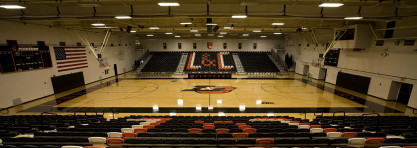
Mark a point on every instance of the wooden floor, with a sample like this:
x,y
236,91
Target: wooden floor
x,y
284,95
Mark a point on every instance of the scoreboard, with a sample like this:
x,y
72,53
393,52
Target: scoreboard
x,y
20,58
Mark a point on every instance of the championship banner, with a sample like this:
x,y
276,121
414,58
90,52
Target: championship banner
x,y
209,45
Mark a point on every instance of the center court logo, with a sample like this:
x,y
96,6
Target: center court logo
x,y
211,89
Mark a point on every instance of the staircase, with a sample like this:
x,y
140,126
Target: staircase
x,y
144,63
238,64
181,65
283,69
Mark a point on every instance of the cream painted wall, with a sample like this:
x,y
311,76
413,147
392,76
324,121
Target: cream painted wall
x,y
331,75
379,87
232,44
29,85
397,66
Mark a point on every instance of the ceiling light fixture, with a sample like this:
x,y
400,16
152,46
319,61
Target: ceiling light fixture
x,y
169,4
149,35
263,36
177,36
211,24
331,5
304,28
122,17
245,34
153,28
353,18
211,35
278,24
193,30
186,23
98,24
223,32
169,33
239,16
277,33
132,31
12,7
228,28
197,34
257,31
220,36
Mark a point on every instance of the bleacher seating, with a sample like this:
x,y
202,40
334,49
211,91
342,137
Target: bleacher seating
x,y
257,62
206,131
163,62
210,62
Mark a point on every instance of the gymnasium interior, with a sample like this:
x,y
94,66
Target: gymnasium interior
x,y
208,73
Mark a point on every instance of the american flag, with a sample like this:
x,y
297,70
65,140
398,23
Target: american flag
x,y
70,58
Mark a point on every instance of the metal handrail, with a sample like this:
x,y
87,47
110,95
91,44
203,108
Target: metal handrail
x,y
42,118
378,118
7,110
344,115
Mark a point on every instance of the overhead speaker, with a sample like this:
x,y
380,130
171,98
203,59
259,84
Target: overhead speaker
x,y
209,28
389,33
11,43
209,20
129,28
41,43
216,28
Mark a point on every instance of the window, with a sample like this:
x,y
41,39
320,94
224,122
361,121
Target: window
x,y
409,42
379,43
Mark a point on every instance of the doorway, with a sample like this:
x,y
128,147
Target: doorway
x,y
405,92
115,70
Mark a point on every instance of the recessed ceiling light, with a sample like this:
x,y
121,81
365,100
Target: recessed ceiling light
x,y
193,30
177,36
223,32
153,28
12,7
221,114
98,24
277,33
132,31
123,17
149,35
168,33
270,115
353,18
239,16
275,24
331,4
257,31
155,107
212,24
197,34
220,36
186,23
263,36
228,28
245,34
168,4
